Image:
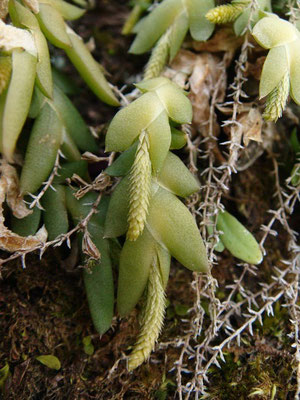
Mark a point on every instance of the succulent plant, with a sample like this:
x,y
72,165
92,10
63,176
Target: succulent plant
x,y
280,75
145,207
166,27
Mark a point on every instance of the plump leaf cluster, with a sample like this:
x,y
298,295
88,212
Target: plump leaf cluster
x,y
25,49
169,227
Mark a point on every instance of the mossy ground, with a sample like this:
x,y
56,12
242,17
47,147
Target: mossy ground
x,y
43,308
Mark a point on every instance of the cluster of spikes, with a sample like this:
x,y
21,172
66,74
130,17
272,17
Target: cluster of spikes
x,y
145,205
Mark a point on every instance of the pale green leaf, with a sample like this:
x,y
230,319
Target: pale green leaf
x,y
238,240
164,259
274,69
177,105
200,28
173,226
294,51
53,26
271,32
89,69
135,261
159,139
175,177
116,219
129,122
178,32
154,25
50,361
18,99
121,166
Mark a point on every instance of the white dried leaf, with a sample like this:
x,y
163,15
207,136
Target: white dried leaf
x,y
10,182
202,71
33,5
251,125
12,38
10,241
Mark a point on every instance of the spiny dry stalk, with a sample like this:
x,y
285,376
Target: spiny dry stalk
x,y
254,305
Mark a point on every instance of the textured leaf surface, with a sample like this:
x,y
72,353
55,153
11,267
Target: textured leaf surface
x,y
173,226
177,105
294,50
274,68
176,177
43,145
200,27
272,32
160,139
116,220
89,69
55,214
99,284
237,239
154,25
74,122
131,120
135,262
53,26
18,99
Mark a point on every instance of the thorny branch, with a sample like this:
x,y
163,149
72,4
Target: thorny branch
x,y
285,282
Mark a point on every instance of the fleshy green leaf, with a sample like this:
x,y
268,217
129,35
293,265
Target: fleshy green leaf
x,y
178,139
177,105
271,32
55,215
116,219
135,261
175,177
99,284
179,30
172,225
164,259
154,25
74,123
80,208
68,11
18,99
89,69
160,139
27,226
69,148
129,122
88,345
43,145
68,169
50,361
294,51
53,26
200,28
121,166
274,68
238,240
23,17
